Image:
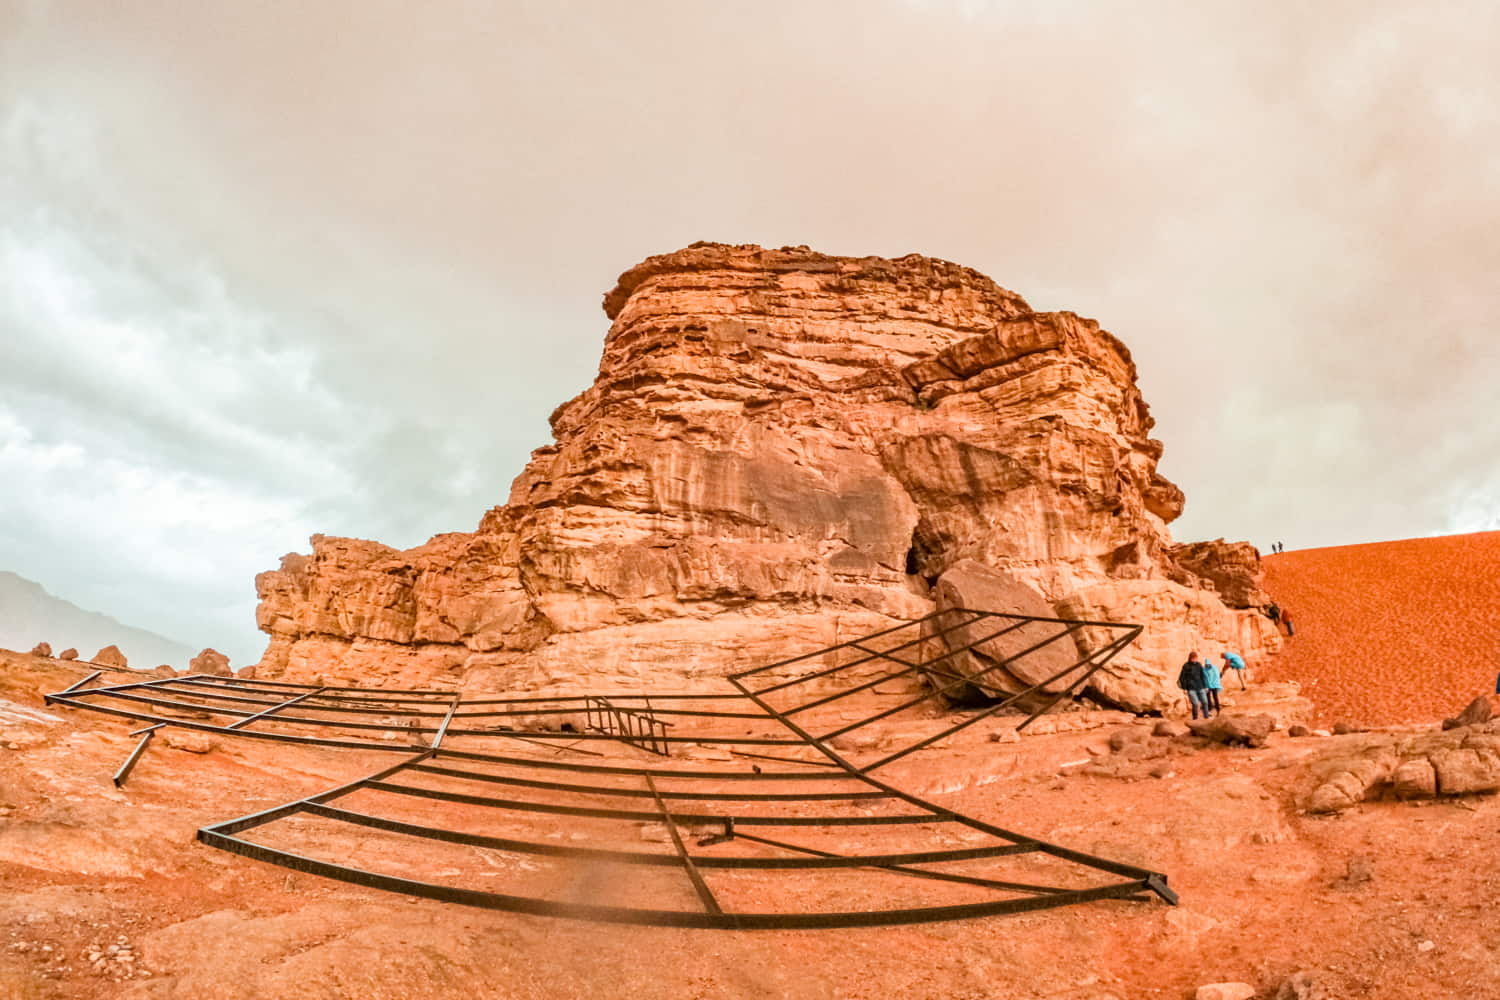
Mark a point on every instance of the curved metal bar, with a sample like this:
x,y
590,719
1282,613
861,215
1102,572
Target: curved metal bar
x,y
664,918
634,720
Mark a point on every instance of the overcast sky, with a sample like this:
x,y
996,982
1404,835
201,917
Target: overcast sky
x,y
276,268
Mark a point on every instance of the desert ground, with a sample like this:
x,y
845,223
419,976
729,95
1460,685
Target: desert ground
x,y
1387,899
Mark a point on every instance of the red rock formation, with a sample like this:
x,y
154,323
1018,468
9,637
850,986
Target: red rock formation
x,y
110,656
781,449
210,661
42,649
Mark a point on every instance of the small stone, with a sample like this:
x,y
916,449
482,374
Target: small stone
x,y
1345,728
190,740
1357,871
1225,991
1006,735
1129,736
1170,728
1426,946
1300,986
1321,732
1298,731
1163,771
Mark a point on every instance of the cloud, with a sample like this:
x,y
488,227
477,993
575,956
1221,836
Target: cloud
x,y
276,268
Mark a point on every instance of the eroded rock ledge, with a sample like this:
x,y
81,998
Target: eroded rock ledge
x,y
784,449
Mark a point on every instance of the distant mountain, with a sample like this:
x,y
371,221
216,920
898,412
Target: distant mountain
x,y
29,615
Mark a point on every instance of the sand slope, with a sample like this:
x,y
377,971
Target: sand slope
x,y
1391,632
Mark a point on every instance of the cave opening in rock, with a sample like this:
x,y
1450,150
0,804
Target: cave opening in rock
x,y
923,558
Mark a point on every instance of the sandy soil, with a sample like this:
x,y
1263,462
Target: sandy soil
x,y
1265,890
1391,632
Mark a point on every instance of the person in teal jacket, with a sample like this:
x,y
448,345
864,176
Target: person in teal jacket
x,y
1212,685
1236,663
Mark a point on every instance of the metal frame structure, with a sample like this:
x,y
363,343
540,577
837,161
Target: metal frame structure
x,y
837,816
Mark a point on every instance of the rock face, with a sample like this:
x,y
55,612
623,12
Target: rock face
x,y
210,661
782,450
110,656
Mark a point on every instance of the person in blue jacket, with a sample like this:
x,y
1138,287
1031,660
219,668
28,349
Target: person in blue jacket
x,y
1236,663
1212,685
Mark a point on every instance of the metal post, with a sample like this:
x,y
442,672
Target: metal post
x,y
135,755
704,893
437,741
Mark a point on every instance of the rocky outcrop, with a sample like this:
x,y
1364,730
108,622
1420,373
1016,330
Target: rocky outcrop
x,y
110,656
782,450
1461,761
210,661
1231,568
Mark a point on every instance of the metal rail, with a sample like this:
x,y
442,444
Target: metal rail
x,y
896,829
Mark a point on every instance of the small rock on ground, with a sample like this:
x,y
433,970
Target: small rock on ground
x,y
1225,991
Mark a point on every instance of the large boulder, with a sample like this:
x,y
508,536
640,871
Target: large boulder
x,y
1022,655
211,662
42,649
110,656
1235,730
68,654
1414,779
1351,779
1467,769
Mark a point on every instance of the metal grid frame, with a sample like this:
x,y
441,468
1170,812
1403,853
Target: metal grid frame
x,y
824,793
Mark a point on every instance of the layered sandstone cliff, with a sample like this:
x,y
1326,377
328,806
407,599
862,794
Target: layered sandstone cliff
x,y
784,449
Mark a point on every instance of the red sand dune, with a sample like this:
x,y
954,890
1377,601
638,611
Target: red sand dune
x,y
1391,632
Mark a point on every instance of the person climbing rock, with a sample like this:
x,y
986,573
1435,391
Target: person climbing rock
x,y
1286,620
1274,613
1190,679
1212,684
1236,663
